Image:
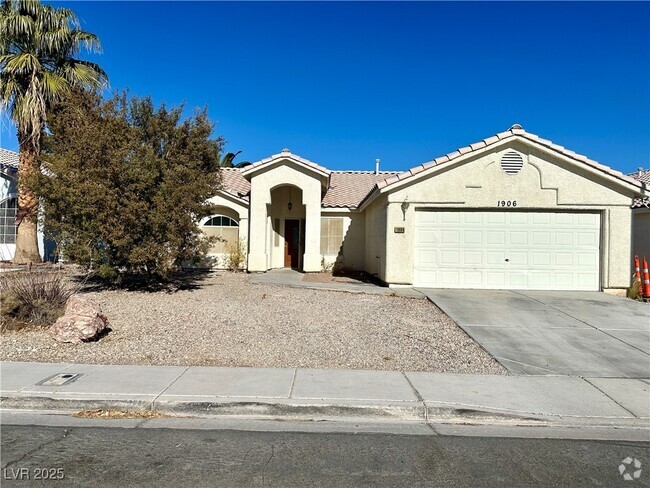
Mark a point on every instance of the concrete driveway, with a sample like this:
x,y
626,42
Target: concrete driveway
x,y
545,332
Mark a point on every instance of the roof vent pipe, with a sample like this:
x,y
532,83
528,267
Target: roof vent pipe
x,y
376,166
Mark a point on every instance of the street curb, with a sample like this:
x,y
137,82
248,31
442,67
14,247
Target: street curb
x,y
273,409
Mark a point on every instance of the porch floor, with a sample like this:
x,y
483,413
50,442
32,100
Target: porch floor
x,y
291,277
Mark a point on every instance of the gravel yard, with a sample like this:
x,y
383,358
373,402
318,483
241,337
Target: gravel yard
x,y
227,321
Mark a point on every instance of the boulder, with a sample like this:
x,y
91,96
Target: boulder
x,y
82,321
80,305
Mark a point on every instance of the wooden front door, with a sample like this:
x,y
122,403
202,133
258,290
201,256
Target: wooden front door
x,y
292,244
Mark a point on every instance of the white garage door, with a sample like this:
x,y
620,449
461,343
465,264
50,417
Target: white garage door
x,y
507,250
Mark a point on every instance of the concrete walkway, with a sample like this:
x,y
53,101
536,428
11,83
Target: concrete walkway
x,y
546,332
293,278
328,394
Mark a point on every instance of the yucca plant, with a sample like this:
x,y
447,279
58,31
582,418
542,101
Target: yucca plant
x,y
34,297
39,45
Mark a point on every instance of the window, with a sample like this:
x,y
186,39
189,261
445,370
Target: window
x,y
331,235
225,228
221,221
8,221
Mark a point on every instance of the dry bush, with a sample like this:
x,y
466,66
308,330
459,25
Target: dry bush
x,y
634,292
235,255
33,298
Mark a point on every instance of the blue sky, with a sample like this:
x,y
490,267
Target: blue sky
x,y
344,83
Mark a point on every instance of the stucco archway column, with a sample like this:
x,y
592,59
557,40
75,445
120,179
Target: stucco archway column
x,y
312,257
257,256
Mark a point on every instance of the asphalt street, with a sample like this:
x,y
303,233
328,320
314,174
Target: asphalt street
x,y
162,457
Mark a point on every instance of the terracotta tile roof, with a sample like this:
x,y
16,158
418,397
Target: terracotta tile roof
x,y
348,188
234,183
8,160
642,175
285,154
514,132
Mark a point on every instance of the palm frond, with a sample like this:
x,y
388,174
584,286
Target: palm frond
x,y
38,50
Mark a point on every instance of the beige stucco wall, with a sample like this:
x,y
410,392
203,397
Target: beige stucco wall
x,y
375,250
234,208
545,182
641,233
261,257
352,252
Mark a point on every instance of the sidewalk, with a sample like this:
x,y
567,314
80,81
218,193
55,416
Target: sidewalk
x,y
329,394
294,279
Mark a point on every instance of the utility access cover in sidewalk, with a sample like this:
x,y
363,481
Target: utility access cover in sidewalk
x,y
60,379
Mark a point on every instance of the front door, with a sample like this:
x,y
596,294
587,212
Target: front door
x,y
292,243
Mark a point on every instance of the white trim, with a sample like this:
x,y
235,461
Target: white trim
x,y
239,200
278,158
463,158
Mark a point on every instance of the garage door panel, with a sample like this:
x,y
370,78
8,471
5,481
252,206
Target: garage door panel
x,y
449,257
426,236
426,257
518,258
450,276
545,250
564,280
588,239
587,280
563,259
472,258
564,238
472,237
495,258
472,278
542,238
518,238
518,279
587,219
586,260
450,237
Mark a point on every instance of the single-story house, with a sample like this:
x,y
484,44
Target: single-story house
x,y
641,212
513,211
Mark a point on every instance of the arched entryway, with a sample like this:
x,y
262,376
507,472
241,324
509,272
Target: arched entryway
x,y
287,215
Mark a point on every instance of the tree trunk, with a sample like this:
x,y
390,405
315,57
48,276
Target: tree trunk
x,y
27,214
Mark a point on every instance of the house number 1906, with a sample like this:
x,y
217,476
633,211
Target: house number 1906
x,y
507,203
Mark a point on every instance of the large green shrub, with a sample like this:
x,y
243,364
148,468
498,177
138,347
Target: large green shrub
x,y
125,184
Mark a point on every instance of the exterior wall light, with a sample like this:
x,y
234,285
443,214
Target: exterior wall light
x,y
290,205
405,207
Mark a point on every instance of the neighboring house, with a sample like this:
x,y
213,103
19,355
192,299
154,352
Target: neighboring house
x,y
8,204
641,222
513,211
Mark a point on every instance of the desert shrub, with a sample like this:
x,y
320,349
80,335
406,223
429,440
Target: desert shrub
x,y
33,298
235,255
125,183
634,291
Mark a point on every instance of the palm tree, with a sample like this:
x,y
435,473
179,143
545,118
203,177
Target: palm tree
x,y
226,161
38,65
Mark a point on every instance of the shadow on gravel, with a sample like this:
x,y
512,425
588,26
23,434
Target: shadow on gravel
x,y
182,281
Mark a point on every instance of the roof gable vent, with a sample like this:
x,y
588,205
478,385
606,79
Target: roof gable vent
x,y
512,162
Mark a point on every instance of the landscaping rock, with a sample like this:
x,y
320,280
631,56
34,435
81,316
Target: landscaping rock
x,y
83,321
79,305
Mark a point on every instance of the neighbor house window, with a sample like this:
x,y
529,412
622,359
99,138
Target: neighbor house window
x,y
8,221
225,228
331,235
